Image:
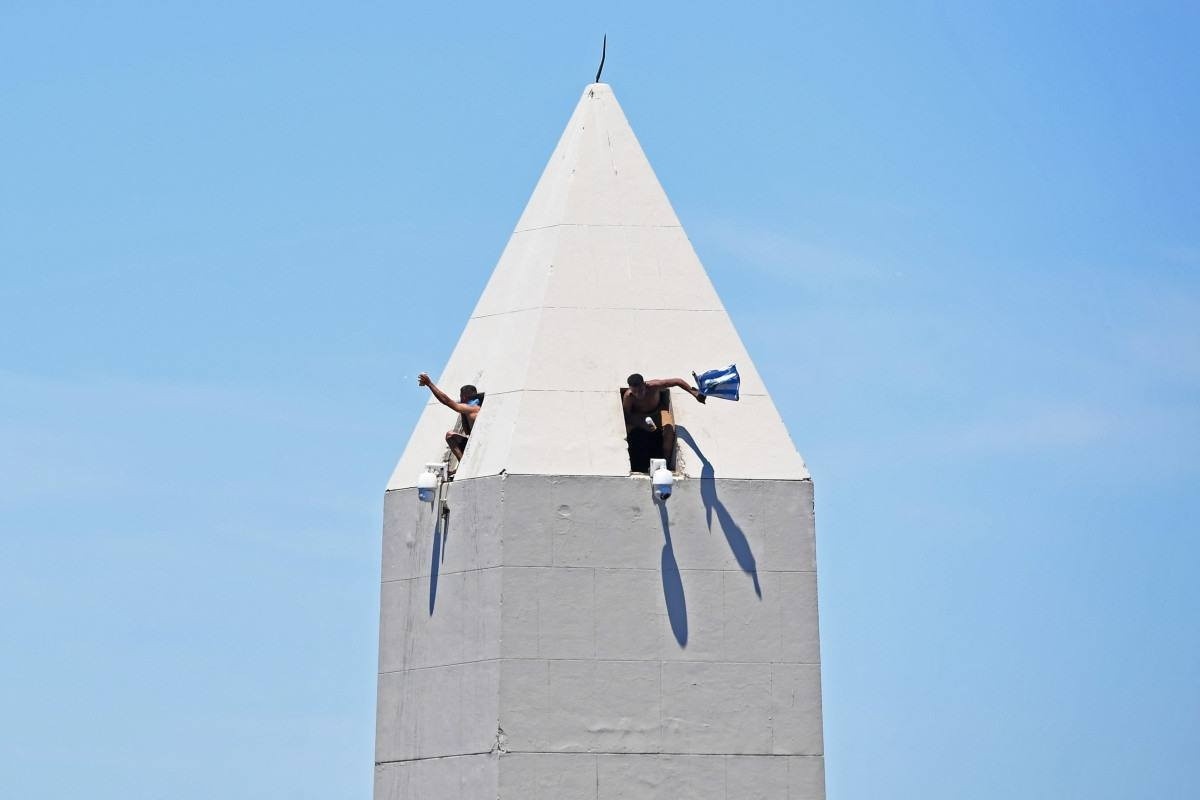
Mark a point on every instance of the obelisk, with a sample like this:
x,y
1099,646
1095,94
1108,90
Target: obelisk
x,y
550,630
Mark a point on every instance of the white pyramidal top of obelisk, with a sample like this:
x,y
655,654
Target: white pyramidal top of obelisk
x,y
598,281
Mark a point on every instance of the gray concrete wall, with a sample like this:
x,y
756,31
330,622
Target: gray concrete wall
x,y
570,638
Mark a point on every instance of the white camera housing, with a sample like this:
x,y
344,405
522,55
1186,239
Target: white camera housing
x,y
661,478
429,480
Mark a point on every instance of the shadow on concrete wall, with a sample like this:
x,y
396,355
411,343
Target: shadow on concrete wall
x,y
738,544
672,583
441,532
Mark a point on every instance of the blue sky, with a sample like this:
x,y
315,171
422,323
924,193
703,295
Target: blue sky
x,y
962,245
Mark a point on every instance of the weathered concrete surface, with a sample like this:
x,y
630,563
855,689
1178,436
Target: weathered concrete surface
x,y
554,624
461,777
598,280
589,776
553,776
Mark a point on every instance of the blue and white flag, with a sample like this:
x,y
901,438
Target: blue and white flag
x,y
722,383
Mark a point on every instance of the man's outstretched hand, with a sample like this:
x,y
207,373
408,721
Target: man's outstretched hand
x,y
423,379
696,394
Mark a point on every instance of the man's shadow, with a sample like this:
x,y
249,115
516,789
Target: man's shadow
x,y
672,583
441,532
737,541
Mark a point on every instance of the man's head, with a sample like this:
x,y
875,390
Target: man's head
x,y
637,385
467,393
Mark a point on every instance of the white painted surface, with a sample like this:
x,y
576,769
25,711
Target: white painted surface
x,y
598,281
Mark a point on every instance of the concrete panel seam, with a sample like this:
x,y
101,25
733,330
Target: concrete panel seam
x,y
595,225
433,758
540,659
451,664
537,475
606,308
655,570
640,753
447,573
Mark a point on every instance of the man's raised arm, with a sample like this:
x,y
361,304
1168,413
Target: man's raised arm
x,y
424,380
678,383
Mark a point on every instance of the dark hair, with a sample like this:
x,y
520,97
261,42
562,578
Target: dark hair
x,y
636,380
468,390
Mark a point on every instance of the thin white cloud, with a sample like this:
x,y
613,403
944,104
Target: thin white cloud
x,y
1185,254
787,257
1037,431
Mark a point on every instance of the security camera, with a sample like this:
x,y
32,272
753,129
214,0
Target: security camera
x,y
429,480
661,478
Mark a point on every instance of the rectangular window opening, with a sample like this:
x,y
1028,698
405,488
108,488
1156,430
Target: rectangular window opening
x,y
463,438
645,444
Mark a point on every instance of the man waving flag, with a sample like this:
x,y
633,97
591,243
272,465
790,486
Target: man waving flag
x,y
723,383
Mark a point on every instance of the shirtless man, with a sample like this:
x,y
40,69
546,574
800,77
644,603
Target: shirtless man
x,y
468,405
642,411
